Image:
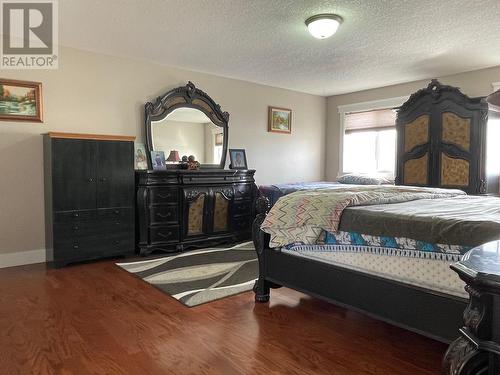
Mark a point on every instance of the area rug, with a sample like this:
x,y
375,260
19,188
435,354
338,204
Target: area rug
x,y
200,276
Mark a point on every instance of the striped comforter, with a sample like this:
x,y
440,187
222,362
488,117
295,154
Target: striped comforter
x,y
300,217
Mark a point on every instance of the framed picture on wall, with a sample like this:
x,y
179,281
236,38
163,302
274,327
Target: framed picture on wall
x,y
280,120
20,100
140,156
238,158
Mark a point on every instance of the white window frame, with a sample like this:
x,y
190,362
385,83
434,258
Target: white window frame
x,y
363,107
496,86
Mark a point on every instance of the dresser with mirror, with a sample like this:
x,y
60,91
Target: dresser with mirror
x,y
179,208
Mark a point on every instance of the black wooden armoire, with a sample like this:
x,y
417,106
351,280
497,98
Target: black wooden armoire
x,y
441,139
89,197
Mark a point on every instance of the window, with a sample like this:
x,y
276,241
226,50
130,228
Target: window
x,y
370,142
492,137
492,149
218,141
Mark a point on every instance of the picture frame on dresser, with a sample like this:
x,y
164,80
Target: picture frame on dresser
x,y
140,156
238,158
158,160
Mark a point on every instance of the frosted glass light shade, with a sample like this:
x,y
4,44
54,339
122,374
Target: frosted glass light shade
x,y
323,26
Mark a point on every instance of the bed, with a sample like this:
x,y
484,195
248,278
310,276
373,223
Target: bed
x,y
387,257
276,191
348,256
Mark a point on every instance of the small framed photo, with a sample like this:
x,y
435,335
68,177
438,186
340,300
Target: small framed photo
x,y
280,120
238,158
20,100
140,156
158,161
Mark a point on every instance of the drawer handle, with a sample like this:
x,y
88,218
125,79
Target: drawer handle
x,y
76,246
76,214
116,212
164,235
75,227
117,223
116,242
164,196
164,216
90,179
103,179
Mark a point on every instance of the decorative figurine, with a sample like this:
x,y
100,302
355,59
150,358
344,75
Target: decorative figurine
x,y
192,164
184,162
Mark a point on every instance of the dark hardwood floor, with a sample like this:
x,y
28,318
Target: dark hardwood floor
x,y
97,319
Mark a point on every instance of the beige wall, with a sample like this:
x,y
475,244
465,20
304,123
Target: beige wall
x,y
477,83
92,93
186,137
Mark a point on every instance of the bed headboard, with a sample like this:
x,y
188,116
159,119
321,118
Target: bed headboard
x,y
441,139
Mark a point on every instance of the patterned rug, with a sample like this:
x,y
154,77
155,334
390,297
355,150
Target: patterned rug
x,y
200,276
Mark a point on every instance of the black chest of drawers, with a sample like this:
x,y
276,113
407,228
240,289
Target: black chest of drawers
x,y
179,209
89,197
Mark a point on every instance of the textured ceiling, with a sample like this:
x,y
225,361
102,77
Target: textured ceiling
x,y
381,42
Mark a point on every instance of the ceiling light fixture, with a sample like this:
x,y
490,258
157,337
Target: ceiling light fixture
x,y
323,26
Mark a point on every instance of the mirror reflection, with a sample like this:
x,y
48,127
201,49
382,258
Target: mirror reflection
x,y
189,132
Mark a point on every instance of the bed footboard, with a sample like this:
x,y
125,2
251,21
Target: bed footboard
x,y
427,312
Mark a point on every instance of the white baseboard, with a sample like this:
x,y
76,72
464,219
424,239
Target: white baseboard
x,y
22,258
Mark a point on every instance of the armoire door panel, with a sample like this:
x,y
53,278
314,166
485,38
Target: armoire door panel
x,y
74,174
196,216
456,130
416,171
195,211
454,172
221,212
115,179
416,133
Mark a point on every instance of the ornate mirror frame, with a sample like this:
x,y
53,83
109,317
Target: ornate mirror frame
x,y
186,97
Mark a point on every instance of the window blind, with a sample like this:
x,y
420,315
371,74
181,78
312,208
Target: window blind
x,y
219,139
370,120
